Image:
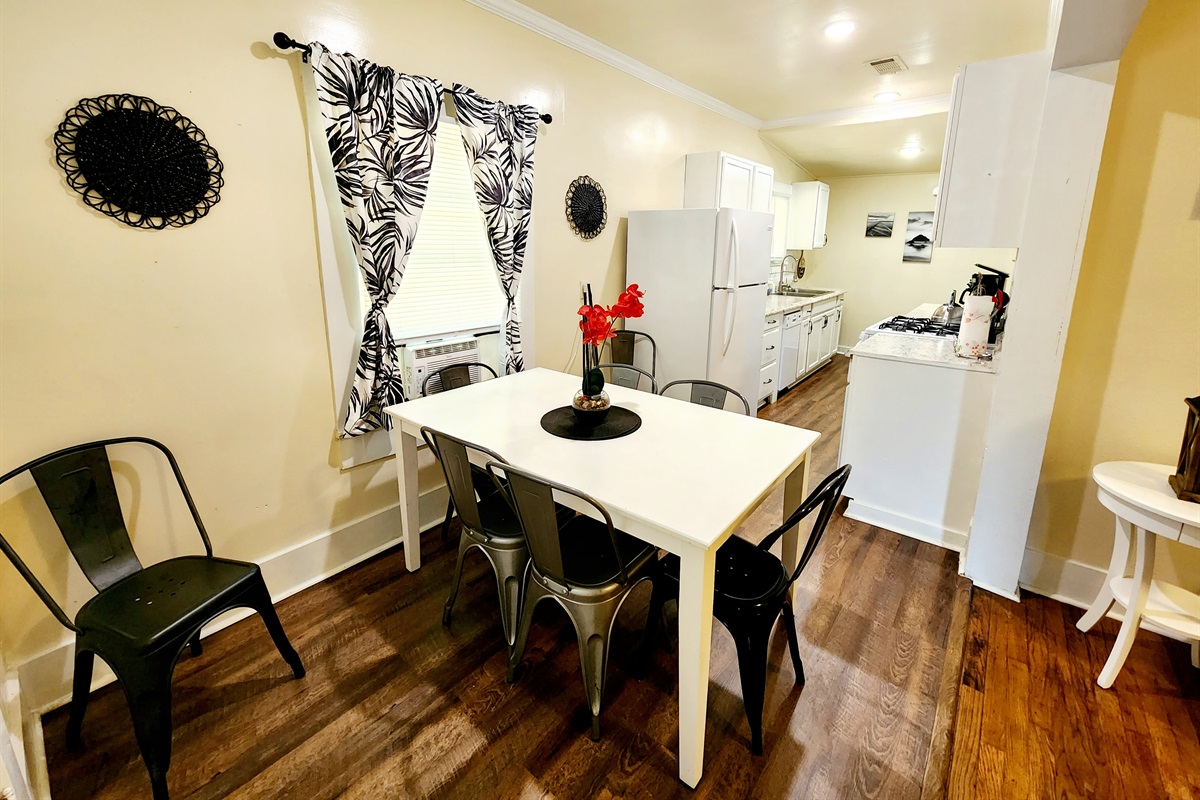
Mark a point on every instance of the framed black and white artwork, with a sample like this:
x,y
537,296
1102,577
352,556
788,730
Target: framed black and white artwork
x,y
880,223
918,237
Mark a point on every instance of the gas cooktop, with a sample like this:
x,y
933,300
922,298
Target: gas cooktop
x,y
919,325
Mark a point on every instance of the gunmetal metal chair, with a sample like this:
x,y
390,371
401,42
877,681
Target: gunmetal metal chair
x,y
752,593
488,522
588,567
629,376
456,376
708,393
621,348
141,617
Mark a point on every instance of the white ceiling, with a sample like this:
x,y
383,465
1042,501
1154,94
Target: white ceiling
x,y
772,60
865,149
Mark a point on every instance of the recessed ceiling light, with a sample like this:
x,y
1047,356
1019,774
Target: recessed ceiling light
x,y
887,97
910,150
840,29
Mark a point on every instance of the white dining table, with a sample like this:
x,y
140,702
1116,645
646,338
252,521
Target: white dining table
x,y
683,482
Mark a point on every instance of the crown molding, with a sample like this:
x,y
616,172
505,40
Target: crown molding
x,y
879,112
569,37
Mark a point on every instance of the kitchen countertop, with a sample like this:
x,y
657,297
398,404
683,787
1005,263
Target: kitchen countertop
x,y
786,303
935,352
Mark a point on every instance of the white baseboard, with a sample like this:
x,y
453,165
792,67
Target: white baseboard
x,y
1074,583
45,680
914,528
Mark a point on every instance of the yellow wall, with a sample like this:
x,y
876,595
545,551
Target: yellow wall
x,y
1133,347
211,338
878,282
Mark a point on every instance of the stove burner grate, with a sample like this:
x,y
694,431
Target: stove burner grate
x,y
919,325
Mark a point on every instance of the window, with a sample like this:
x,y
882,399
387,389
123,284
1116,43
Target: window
x,y
450,283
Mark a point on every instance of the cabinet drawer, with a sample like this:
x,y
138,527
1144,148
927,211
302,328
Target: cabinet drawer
x,y
773,323
766,380
770,346
826,305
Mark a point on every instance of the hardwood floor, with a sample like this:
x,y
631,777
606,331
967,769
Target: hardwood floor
x,y
395,705
1033,723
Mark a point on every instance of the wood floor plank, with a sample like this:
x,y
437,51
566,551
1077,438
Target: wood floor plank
x,y
1048,730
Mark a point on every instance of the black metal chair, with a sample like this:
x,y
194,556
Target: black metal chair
x,y
141,617
708,393
629,376
752,593
456,376
588,567
621,348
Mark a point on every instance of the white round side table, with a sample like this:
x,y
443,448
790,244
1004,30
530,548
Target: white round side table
x,y
1139,496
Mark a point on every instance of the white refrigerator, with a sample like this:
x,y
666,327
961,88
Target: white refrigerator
x,y
704,271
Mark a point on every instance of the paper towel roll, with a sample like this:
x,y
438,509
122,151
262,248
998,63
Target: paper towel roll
x,y
975,327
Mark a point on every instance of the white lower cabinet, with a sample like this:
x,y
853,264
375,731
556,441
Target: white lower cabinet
x,y
807,339
768,378
914,433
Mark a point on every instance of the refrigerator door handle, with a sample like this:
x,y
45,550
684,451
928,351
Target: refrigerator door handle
x,y
730,319
735,255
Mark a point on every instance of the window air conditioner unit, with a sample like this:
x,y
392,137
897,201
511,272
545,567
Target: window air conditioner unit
x,y
425,357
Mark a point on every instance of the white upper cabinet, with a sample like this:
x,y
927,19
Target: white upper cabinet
x,y
721,180
808,213
991,140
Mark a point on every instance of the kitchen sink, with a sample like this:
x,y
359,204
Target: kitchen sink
x,y
804,292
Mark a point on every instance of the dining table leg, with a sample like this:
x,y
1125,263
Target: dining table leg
x,y
696,571
795,489
410,517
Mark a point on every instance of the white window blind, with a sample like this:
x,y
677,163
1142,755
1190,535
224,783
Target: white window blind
x,y
450,283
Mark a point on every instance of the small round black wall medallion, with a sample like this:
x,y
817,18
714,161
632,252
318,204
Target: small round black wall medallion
x,y
144,164
586,209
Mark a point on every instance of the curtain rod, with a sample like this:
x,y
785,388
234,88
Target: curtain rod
x,y
285,42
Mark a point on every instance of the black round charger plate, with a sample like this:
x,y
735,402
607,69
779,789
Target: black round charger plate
x,y
561,422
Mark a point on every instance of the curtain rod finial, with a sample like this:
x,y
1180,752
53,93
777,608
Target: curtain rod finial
x,y
546,118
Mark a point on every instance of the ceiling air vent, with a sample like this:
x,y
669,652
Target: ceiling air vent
x,y
888,65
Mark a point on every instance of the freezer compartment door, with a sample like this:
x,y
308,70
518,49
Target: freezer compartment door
x,y
743,248
735,338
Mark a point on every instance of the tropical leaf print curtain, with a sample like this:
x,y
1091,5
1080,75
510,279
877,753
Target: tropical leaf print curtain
x,y
499,141
381,126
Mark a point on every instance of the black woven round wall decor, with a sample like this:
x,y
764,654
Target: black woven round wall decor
x,y
586,208
145,164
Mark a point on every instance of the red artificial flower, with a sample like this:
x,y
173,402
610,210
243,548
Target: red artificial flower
x,y
595,324
629,304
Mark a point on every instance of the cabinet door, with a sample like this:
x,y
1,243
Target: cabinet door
x,y
813,350
827,326
761,184
820,238
809,207
737,178
837,329
991,140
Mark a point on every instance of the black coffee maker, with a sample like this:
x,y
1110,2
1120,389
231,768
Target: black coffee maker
x,y
989,283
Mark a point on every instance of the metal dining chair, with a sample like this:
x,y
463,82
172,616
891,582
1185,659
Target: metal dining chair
x,y
622,348
629,376
142,617
585,565
453,377
709,393
751,594
488,522
456,376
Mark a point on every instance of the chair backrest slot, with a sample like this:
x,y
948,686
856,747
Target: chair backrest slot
x,y
454,455
82,497
711,394
535,506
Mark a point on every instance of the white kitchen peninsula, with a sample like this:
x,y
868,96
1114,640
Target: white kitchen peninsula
x,y
914,426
